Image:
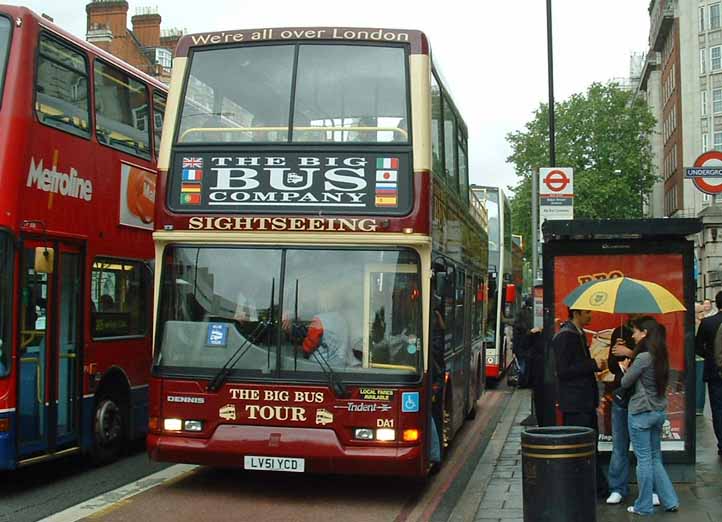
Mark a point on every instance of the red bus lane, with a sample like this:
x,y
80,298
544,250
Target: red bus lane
x,y
222,494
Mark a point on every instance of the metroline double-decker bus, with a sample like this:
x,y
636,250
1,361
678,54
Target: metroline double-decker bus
x,y
502,289
321,262
77,149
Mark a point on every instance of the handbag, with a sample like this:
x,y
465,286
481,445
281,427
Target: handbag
x,y
621,396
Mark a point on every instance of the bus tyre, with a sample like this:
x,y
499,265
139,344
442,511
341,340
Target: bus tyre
x,y
109,430
471,414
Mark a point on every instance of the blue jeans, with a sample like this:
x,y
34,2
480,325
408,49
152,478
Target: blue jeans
x,y
715,404
618,475
645,430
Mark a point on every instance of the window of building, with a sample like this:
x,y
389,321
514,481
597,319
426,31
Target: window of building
x,y
705,142
163,57
702,61
714,16
61,90
703,103
159,101
119,291
715,58
717,137
701,19
121,111
716,101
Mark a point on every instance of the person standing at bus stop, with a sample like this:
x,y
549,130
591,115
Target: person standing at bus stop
x,y
578,392
704,347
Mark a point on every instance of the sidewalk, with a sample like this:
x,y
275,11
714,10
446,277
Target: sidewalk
x,y
494,493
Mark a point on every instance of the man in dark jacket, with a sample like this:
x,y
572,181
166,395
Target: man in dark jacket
x,y
578,391
704,347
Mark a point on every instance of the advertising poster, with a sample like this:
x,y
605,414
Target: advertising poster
x,y
663,269
137,196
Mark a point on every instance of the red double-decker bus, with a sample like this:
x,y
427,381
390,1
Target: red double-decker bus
x,y
77,151
322,263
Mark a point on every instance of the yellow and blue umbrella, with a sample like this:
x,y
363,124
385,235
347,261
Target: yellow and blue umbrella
x,y
623,295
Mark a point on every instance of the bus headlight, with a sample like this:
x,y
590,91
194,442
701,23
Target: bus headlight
x,y
363,434
193,425
172,424
385,434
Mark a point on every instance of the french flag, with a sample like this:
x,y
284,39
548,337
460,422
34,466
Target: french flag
x,y
191,175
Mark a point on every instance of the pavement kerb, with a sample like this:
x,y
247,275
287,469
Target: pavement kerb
x,y
468,505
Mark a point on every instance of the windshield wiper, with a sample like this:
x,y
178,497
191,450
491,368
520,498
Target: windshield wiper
x,y
220,377
334,381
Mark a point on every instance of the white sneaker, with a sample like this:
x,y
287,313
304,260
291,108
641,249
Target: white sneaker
x,y
614,498
655,499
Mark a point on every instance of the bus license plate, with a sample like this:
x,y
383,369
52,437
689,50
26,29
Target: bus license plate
x,y
273,464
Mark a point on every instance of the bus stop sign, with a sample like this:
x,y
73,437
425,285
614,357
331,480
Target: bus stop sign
x,y
707,172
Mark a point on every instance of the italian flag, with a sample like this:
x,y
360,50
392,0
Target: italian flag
x,y
387,163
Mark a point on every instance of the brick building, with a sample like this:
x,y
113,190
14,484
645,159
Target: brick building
x,y
145,47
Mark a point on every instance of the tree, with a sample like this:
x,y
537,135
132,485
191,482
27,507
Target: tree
x,y
604,135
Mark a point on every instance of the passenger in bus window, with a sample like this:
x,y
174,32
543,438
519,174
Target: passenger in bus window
x,y
106,303
328,336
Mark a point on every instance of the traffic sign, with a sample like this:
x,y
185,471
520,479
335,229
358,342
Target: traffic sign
x,y
707,172
556,194
556,181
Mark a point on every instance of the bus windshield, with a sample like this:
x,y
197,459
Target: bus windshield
x,y
341,93
6,256
4,49
292,310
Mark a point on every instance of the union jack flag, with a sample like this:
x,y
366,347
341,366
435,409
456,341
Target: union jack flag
x,y
192,163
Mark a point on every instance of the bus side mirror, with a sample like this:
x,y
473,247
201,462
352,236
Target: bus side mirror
x,y
44,258
510,296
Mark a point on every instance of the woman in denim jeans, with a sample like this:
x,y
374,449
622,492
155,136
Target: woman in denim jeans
x,y
649,374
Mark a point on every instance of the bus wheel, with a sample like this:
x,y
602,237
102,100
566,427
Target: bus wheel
x,y
471,415
109,427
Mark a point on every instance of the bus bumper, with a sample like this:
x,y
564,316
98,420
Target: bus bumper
x,y
320,448
493,371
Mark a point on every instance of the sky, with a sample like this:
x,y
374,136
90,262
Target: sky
x,y
492,54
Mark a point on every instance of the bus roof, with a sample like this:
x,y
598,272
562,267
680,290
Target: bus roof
x,y
24,13
417,39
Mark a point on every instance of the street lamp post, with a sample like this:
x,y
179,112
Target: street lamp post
x,y
550,73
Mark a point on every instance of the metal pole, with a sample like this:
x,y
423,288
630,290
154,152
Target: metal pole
x,y
550,64
534,225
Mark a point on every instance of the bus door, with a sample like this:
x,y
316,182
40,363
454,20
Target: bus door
x,y
49,376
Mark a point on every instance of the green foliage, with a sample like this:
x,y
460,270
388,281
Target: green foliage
x,y
599,132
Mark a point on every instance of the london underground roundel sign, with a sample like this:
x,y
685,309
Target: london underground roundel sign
x,y
556,180
707,172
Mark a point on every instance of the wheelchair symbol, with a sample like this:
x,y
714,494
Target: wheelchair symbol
x,y
410,402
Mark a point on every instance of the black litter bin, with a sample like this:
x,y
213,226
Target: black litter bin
x,y
558,474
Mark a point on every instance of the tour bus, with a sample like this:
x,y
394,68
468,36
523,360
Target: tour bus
x,y
502,291
320,259
77,149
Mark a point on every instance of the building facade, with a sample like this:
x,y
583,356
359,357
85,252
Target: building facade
x,y
145,47
682,83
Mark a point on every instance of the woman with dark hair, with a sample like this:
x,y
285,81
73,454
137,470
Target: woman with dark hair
x,y
649,374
